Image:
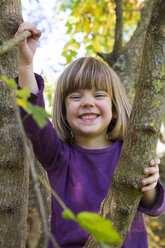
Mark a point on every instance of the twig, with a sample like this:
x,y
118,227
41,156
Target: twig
x,y
41,204
119,26
7,46
110,58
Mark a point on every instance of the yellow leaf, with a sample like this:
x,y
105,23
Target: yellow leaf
x,y
96,45
22,103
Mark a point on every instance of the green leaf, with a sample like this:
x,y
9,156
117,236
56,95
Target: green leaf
x,y
9,82
100,228
68,215
38,113
23,93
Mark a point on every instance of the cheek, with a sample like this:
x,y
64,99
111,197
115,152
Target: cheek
x,y
70,111
106,108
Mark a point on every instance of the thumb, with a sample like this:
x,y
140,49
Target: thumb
x,y
36,34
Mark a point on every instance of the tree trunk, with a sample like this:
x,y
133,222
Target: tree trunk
x,y
14,171
140,142
127,65
14,164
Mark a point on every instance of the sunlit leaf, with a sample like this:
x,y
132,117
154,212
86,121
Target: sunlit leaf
x,y
100,228
98,18
23,93
21,102
9,82
38,113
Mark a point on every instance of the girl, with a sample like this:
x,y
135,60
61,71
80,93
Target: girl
x,y
90,118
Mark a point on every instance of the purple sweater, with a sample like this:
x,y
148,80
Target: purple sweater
x,y
81,177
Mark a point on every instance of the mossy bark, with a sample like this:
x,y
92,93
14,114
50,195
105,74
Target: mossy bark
x,y
14,171
139,146
14,164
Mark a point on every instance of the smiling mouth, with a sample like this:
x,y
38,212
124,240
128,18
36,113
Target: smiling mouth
x,y
88,116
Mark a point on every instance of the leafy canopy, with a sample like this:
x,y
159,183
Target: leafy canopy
x,y
91,24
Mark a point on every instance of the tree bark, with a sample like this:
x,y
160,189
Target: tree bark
x,y
15,203
141,139
14,171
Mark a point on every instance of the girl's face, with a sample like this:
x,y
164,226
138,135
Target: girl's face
x,y
89,113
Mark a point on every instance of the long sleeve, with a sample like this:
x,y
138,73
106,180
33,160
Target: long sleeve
x,y
159,207
44,140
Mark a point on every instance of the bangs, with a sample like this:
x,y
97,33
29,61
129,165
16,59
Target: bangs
x,y
86,73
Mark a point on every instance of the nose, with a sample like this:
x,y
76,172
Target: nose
x,y
88,101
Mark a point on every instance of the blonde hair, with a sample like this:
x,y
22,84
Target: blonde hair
x,y
88,73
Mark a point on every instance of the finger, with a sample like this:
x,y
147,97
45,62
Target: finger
x,y
36,33
151,170
151,179
149,187
23,26
26,25
154,162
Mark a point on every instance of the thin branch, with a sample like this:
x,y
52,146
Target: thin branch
x,y
119,26
7,46
111,57
41,204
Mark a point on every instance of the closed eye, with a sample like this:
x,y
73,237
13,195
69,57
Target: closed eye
x,y
100,95
76,97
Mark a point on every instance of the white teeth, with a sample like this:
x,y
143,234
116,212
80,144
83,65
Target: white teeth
x,y
88,116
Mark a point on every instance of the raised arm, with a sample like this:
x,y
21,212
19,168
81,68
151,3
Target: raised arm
x,y
44,140
26,52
